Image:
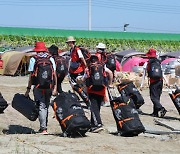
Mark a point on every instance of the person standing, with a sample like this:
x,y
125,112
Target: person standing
x,y
77,67
155,75
101,54
96,82
61,66
42,70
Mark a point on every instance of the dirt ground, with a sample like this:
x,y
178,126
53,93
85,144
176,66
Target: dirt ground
x,y
17,134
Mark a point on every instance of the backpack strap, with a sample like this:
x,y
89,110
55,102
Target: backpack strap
x,y
154,60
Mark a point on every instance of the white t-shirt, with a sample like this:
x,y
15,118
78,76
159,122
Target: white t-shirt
x,y
32,63
144,73
80,53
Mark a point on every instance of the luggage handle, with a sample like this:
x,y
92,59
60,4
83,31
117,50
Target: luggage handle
x,y
110,93
28,97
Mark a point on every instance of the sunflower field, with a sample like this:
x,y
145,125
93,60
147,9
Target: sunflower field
x,y
13,41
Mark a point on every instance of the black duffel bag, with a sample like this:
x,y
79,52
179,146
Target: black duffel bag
x,y
126,117
70,114
130,90
25,106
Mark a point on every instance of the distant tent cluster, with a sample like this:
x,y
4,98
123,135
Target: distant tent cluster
x,y
16,62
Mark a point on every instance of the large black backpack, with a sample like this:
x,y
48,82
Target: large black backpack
x,y
97,77
130,90
155,70
111,61
61,66
86,54
70,114
43,75
3,103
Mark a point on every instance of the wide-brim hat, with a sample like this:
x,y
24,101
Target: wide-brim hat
x,y
40,47
70,39
151,53
53,50
101,46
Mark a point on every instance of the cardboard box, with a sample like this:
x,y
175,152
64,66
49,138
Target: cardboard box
x,y
138,81
173,80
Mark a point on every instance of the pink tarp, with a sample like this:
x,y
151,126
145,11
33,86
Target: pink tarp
x,y
134,61
166,61
1,64
118,66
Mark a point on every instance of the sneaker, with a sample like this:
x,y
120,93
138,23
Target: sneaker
x,y
97,129
43,132
162,112
106,104
154,114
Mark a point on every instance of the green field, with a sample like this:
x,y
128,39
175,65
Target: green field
x,y
11,37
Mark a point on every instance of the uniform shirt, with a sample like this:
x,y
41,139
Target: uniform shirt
x,y
146,67
101,56
76,55
32,62
79,53
151,79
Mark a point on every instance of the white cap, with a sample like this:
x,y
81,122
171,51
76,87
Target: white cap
x,y
101,46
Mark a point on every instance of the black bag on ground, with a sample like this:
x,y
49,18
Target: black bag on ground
x,y
70,114
3,103
25,106
129,89
155,70
126,117
175,96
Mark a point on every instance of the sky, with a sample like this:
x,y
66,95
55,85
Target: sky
x,y
157,16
